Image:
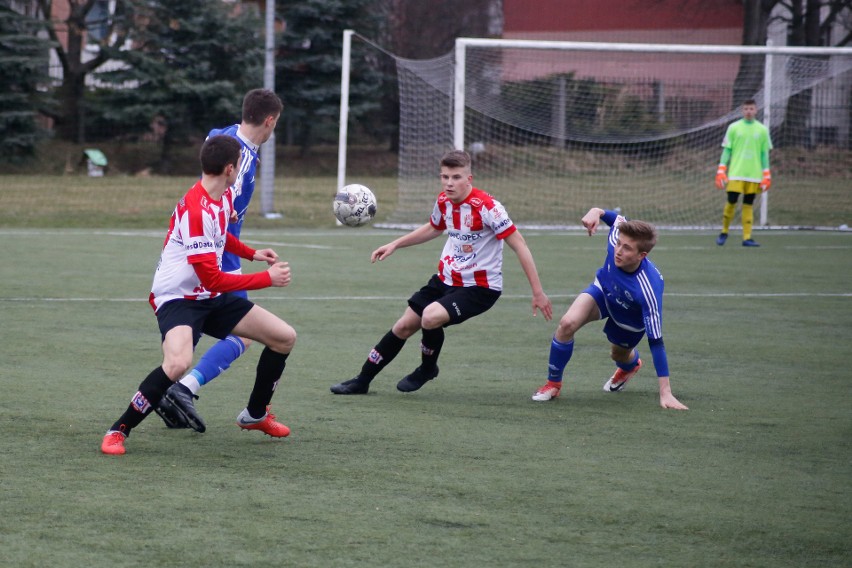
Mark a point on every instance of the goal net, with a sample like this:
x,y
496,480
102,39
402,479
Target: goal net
x,y
557,127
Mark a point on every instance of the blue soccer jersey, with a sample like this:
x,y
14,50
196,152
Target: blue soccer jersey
x,y
634,299
242,189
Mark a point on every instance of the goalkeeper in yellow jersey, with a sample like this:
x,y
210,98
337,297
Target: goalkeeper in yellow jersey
x,y
743,169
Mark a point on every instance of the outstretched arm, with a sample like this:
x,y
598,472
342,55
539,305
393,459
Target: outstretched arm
x,y
419,235
540,301
592,219
213,279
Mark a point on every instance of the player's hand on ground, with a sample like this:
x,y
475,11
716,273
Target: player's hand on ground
x,y
267,255
280,274
591,220
541,302
668,400
382,252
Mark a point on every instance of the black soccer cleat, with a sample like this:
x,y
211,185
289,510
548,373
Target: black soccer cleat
x,y
416,379
352,386
170,415
180,398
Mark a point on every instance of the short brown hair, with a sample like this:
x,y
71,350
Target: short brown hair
x,y
260,103
456,159
219,151
749,102
645,234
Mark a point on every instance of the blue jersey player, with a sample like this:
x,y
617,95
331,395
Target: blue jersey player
x,y
260,112
628,294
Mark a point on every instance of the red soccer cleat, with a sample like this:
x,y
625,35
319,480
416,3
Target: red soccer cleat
x,y
267,424
618,381
113,443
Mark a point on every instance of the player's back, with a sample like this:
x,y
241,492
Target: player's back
x,y
243,187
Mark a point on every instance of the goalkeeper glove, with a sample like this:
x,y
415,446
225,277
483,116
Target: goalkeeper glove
x,y
767,180
722,176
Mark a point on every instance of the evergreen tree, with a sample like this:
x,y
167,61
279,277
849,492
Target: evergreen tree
x,y
192,63
308,67
23,68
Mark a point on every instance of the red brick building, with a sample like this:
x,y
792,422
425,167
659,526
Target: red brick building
x,y
642,21
627,21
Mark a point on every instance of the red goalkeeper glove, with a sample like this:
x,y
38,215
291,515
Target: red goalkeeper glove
x,y
722,176
767,180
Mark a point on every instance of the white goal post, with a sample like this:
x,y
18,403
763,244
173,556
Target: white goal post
x,y
555,127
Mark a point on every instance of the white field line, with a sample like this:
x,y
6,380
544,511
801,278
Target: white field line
x,y
371,232
161,235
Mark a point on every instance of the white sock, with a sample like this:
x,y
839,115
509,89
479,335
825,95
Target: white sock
x,y
190,381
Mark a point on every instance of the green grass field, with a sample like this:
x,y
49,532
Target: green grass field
x,y
466,472
142,202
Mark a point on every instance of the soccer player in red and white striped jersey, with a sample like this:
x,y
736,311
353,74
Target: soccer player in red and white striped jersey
x,y
260,113
191,295
469,279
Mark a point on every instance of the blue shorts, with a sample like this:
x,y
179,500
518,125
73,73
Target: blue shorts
x,y
461,302
216,317
616,334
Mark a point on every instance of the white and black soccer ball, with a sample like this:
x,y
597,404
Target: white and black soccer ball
x,y
354,205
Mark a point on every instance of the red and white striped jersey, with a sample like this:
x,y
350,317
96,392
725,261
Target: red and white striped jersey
x,y
476,227
197,232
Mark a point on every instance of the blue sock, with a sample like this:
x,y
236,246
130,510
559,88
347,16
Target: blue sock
x,y
218,358
560,354
627,367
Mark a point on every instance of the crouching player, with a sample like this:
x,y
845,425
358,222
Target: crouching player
x,y
628,293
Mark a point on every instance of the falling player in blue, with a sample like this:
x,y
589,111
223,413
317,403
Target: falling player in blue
x,y
628,294
260,112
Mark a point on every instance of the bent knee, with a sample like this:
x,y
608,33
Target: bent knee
x,y
405,328
175,368
434,316
284,341
432,321
567,327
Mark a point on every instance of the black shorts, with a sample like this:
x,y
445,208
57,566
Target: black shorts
x,y
216,317
461,302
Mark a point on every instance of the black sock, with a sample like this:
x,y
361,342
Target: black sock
x,y
148,396
383,353
270,367
430,348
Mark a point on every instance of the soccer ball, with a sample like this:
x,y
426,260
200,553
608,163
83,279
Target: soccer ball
x,y
354,205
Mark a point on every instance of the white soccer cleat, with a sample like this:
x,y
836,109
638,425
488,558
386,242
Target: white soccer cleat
x,y
549,391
